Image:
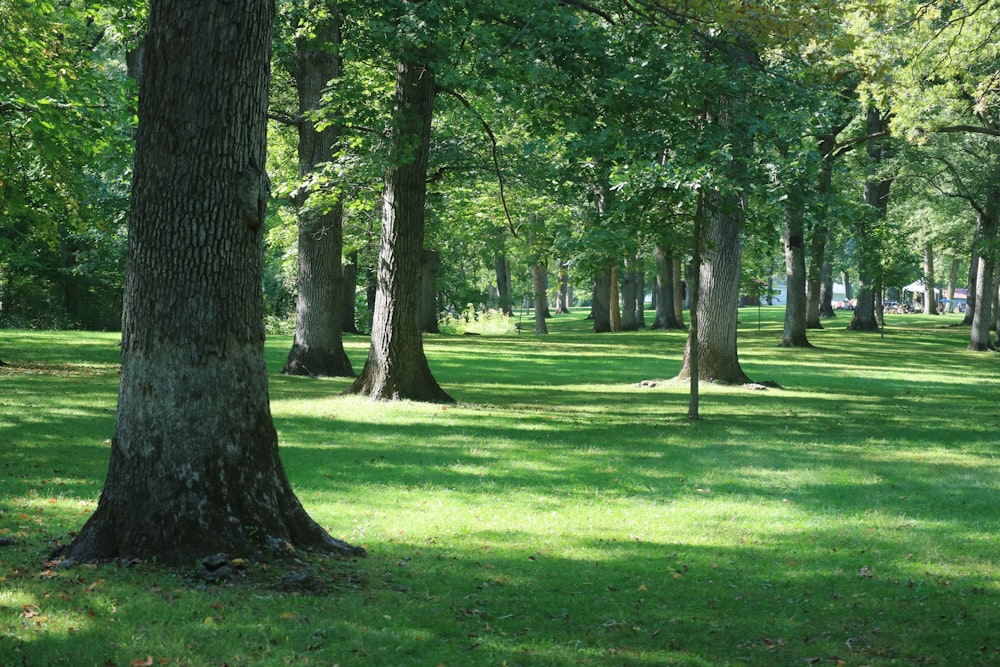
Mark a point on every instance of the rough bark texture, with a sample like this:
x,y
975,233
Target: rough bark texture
x,y
602,302
718,294
794,334
318,346
194,465
503,285
397,367
428,292
877,198
982,320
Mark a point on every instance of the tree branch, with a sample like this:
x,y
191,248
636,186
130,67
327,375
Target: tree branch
x,y
493,147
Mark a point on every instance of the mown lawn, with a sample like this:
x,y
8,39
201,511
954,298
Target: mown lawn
x,y
559,514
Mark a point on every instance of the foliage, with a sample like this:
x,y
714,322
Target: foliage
x,y
558,515
478,322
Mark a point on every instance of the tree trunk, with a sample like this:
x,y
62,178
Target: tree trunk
x,y
318,346
680,291
877,198
428,292
502,271
194,467
397,367
348,323
970,293
602,302
979,340
952,283
820,234
663,289
826,292
930,297
628,319
539,280
718,294
562,300
794,334
614,300
640,295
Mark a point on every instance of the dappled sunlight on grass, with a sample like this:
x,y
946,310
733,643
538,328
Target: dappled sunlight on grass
x,y
559,514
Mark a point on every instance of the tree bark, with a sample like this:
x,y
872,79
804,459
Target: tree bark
x,y
640,294
349,324
194,466
663,289
952,283
602,302
628,317
718,294
979,340
820,234
397,367
826,292
318,346
877,198
794,334
970,293
614,301
562,300
679,291
930,297
539,280
502,271
428,292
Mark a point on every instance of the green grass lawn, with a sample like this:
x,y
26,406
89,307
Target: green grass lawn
x,y
558,514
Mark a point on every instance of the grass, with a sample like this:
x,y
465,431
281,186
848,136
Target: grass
x,y
558,514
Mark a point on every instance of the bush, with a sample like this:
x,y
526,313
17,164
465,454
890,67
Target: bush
x,y
486,322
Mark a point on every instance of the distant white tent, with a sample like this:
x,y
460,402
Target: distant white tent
x,y
918,287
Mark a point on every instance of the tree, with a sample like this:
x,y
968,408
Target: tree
x,y
194,466
318,347
397,367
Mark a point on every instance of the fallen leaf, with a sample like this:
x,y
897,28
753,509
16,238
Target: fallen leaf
x,y
148,662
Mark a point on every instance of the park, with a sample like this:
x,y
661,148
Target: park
x,y
572,332
558,514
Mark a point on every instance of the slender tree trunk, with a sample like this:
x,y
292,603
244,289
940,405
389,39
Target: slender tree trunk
x,y
820,233
970,293
826,292
930,297
318,347
428,292
692,356
628,320
794,334
562,301
952,283
397,367
539,280
663,289
680,291
602,302
194,467
349,325
640,295
614,300
845,278
502,272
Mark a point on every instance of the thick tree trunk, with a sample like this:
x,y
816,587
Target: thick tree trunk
x,y
318,346
602,302
718,294
979,340
794,334
663,289
826,292
877,198
194,467
397,367
502,271
428,292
